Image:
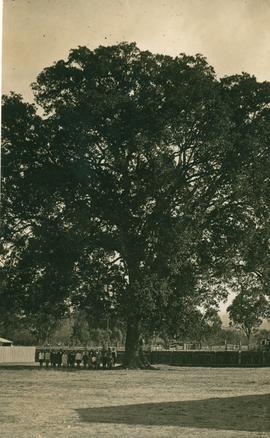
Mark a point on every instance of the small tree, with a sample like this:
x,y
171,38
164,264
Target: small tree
x,y
261,336
42,325
117,336
248,310
63,333
80,329
208,325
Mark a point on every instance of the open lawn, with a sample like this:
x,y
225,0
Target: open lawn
x,y
170,402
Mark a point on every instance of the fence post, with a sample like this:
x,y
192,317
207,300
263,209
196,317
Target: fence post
x,y
263,357
239,358
171,357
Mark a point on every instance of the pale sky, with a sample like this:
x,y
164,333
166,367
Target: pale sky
x,y
233,34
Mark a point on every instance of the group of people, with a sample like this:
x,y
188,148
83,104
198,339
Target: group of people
x,y
101,358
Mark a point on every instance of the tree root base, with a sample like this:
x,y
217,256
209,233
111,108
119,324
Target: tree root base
x,y
141,363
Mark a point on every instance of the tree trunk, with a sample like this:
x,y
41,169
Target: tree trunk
x,y
132,359
134,356
248,341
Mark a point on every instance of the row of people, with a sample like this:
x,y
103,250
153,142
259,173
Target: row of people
x,y
94,359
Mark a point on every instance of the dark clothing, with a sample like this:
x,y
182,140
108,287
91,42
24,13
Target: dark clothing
x,y
59,359
53,358
85,360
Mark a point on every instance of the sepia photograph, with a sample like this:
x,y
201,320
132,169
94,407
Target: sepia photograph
x,y
135,219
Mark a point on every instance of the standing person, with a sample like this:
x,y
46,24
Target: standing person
x,y
114,356
53,358
93,359
104,358
109,359
72,359
98,359
47,358
59,358
78,358
64,359
85,358
41,357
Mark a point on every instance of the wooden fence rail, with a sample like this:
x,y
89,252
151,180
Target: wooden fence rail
x,y
17,354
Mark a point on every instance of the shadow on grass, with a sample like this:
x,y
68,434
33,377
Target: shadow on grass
x,y
17,367
245,413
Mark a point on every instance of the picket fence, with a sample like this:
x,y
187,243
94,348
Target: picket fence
x,y
208,358
17,354
179,358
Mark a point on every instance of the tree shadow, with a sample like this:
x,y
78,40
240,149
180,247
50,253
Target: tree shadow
x,y
245,413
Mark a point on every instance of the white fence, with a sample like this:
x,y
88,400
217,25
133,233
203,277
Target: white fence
x,y
17,354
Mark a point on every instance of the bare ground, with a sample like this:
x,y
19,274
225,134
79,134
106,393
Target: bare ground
x,y
171,402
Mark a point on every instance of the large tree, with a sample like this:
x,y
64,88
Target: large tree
x,y
124,196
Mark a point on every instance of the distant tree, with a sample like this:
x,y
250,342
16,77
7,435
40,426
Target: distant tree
x,y
80,328
42,326
209,326
204,326
63,333
230,336
249,308
117,337
262,335
101,337
198,326
36,328
127,197
23,336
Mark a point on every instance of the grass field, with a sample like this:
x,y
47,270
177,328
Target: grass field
x,y
170,402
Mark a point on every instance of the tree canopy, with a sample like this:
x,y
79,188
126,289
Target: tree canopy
x,y
142,186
